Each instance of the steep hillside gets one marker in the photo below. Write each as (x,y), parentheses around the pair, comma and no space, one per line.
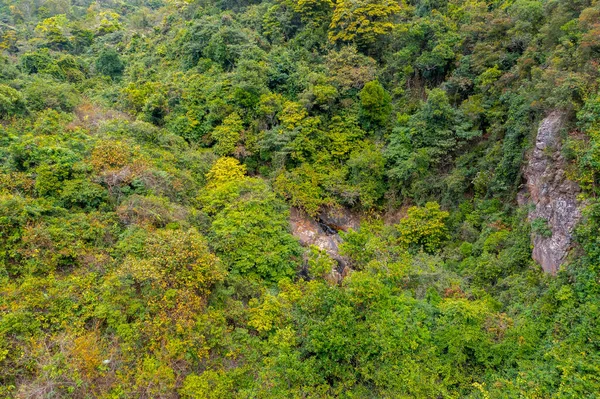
(299,199)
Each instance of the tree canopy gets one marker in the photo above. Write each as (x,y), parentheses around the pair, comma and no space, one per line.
(295,199)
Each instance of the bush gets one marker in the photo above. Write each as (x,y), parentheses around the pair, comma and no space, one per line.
(11,102)
(36,62)
(41,94)
(109,63)
(540,227)
(424,227)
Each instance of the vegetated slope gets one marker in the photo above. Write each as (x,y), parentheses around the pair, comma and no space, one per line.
(150,152)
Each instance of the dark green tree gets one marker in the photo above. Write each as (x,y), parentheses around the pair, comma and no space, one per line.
(109,63)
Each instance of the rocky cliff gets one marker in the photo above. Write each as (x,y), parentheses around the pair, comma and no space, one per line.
(551,196)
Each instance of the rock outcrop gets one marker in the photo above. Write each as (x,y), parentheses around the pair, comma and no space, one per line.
(339,219)
(322,232)
(552,197)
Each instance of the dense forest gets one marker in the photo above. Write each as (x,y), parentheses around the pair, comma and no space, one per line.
(157,157)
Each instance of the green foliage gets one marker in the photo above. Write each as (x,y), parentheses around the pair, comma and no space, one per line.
(437,126)
(209,385)
(251,235)
(319,263)
(250,225)
(109,63)
(585,151)
(228,134)
(375,103)
(41,94)
(366,171)
(36,62)
(54,33)
(302,188)
(175,260)
(362,21)
(11,102)
(423,227)
(540,226)
(150,153)
(426,139)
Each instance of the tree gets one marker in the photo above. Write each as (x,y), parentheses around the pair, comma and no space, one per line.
(108,22)
(349,69)
(313,11)
(302,186)
(362,21)
(438,125)
(8,41)
(228,134)
(375,103)
(54,33)
(424,227)
(250,226)
(176,259)
(82,38)
(366,170)
(109,63)
(11,102)
(424,140)
(41,94)
(37,61)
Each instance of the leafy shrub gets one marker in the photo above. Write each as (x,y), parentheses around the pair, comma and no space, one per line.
(109,63)
(540,227)
(424,227)
(41,94)
(11,102)
(228,134)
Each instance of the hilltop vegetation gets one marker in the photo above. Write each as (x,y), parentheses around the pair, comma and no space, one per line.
(151,150)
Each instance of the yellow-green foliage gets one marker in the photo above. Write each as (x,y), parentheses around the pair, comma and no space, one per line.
(363,21)
(228,134)
(176,259)
(152,154)
(313,11)
(302,188)
(423,227)
(292,114)
(375,102)
(223,183)
(107,22)
(54,31)
(11,101)
(209,385)
(225,170)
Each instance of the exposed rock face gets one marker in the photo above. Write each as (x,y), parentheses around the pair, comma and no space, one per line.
(552,196)
(323,232)
(339,219)
(310,232)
